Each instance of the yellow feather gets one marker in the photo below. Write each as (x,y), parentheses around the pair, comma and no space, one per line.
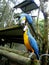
(26,42)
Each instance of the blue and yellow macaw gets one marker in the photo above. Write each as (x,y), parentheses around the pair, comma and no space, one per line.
(29,40)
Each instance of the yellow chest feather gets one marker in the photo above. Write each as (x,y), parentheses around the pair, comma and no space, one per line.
(26,42)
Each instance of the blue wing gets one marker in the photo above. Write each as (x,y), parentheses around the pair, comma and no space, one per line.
(33,44)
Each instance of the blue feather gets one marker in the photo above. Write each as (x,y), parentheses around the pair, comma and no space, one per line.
(33,43)
(28,17)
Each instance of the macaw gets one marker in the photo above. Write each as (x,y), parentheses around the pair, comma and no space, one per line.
(29,40)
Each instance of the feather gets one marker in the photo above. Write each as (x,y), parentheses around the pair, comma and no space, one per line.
(33,44)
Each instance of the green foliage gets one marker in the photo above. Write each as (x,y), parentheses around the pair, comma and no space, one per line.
(41,26)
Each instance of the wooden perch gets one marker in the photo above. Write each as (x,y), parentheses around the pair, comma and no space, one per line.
(15,51)
(15,57)
(18,57)
(25,54)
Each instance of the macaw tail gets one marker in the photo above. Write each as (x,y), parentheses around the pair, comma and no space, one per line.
(37,55)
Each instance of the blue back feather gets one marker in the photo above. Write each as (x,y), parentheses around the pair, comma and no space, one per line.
(33,43)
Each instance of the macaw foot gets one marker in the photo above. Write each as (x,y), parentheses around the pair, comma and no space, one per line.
(31,54)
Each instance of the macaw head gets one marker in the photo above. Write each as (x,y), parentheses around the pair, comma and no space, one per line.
(23,23)
(22,20)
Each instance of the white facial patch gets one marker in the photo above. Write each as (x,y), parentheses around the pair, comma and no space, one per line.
(25,28)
